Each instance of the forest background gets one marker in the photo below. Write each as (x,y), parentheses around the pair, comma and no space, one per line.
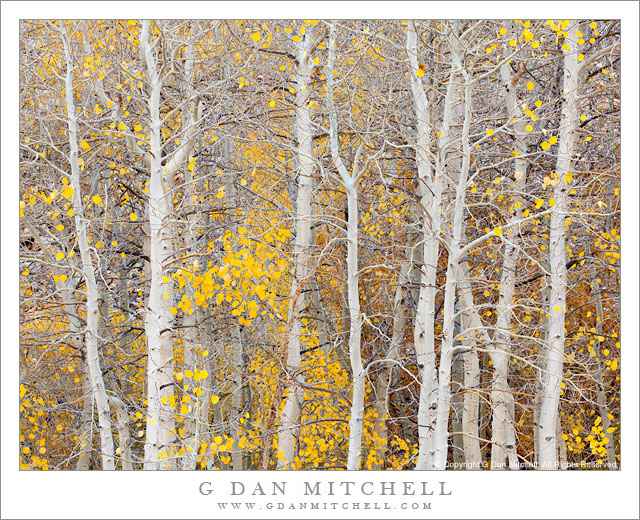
(378,332)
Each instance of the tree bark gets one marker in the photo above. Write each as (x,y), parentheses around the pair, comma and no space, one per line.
(557,256)
(91,334)
(304,135)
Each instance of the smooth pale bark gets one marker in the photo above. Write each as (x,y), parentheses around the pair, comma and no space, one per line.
(88,273)
(124,441)
(441,434)
(85,433)
(473,333)
(356,422)
(349,181)
(502,426)
(158,321)
(304,135)
(471,402)
(558,256)
(429,191)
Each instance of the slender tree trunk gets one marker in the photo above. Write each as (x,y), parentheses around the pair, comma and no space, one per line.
(85,434)
(383,383)
(350,183)
(441,434)
(558,254)
(430,197)
(93,317)
(160,430)
(502,427)
(237,395)
(124,442)
(356,422)
(470,406)
(304,135)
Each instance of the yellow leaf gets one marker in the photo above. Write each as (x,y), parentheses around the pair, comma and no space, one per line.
(137,128)
(59,255)
(133,217)
(97,200)
(122,127)
(272,103)
(530,85)
(490,132)
(255,37)
(215,399)
(497,231)
(85,145)
(420,73)
(67,192)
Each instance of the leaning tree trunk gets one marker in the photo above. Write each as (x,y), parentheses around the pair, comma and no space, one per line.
(88,272)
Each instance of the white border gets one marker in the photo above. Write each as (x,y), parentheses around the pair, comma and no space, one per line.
(581,494)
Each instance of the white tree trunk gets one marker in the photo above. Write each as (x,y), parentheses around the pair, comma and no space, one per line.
(557,257)
(91,334)
(160,430)
(304,135)
(356,421)
(471,401)
(350,183)
(430,198)
(124,442)
(502,426)
(441,434)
